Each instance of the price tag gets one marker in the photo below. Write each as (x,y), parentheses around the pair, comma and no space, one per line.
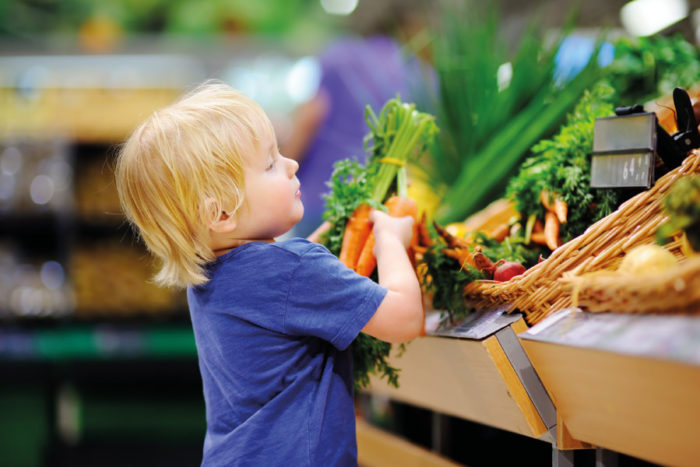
(622,170)
(624,151)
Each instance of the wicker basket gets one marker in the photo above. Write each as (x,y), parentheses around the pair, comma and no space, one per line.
(676,290)
(539,292)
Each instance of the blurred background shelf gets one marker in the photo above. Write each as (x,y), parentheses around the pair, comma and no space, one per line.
(102,342)
(83,394)
(97,364)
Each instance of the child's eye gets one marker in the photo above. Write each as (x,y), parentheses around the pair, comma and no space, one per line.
(271,164)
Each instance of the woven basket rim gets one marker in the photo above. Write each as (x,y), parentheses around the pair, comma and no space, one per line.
(538,290)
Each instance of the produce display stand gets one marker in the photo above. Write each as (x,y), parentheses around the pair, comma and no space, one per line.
(624,382)
(475,370)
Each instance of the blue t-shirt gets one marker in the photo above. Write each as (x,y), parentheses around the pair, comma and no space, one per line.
(272,328)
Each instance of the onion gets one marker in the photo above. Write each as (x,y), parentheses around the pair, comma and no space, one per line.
(647,259)
(506,270)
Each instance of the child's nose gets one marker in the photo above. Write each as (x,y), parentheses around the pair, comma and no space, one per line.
(292,166)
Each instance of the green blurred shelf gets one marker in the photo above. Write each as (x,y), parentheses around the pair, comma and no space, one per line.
(97,342)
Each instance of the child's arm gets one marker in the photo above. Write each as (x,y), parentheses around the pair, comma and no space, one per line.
(399,317)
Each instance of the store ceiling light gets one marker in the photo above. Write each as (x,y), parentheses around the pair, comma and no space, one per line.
(646,17)
(339,7)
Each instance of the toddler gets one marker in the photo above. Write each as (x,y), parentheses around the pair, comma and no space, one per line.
(208,191)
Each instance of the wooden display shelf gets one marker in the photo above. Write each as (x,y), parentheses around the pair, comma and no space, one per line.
(468,378)
(643,402)
(377,448)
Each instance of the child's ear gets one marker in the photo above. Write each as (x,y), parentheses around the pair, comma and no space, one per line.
(223,222)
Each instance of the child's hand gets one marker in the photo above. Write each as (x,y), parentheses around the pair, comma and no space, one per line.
(399,227)
(399,317)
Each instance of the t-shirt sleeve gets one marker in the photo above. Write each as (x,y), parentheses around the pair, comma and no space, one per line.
(328,300)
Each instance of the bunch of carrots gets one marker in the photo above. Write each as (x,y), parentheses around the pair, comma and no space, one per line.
(358,242)
(398,135)
(555,215)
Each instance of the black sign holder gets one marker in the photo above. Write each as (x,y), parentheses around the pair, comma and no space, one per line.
(625,146)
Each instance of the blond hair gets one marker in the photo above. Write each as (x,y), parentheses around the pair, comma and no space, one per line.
(181,168)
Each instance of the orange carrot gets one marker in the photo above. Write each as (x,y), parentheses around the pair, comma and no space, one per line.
(424,239)
(462,255)
(539,238)
(538,227)
(357,230)
(397,206)
(552,202)
(482,262)
(451,240)
(561,209)
(367,261)
(546,200)
(501,232)
(551,230)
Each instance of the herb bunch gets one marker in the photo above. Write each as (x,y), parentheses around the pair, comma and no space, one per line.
(562,165)
(647,67)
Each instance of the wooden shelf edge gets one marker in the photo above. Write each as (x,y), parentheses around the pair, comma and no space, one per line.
(376,447)
(640,406)
(565,441)
(464,378)
(515,386)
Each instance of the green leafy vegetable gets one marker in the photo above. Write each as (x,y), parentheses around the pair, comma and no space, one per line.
(446,278)
(562,165)
(510,249)
(682,204)
(648,67)
(493,105)
(349,188)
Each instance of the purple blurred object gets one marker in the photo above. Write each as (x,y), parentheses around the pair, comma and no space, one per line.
(355,73)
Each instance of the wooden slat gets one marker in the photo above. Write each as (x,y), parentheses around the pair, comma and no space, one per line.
(515,387)
(564,439)
(462,378)
(378,448)
(519,326)
(639,406)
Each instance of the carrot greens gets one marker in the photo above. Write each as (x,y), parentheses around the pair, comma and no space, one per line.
(562,165)
(399,134)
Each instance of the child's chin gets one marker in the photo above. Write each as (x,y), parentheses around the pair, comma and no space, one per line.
(301,215)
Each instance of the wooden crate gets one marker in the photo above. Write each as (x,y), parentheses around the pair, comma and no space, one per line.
(642,405)
(470,379)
